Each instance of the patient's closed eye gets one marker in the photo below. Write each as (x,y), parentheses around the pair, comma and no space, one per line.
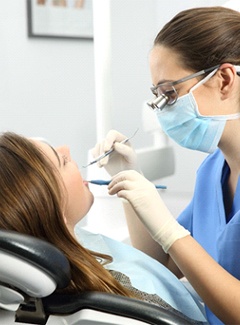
(65,159)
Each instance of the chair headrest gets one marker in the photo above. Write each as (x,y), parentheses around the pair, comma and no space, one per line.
(38,253)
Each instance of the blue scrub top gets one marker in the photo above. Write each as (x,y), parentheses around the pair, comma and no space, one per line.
(206,219)
(145,273)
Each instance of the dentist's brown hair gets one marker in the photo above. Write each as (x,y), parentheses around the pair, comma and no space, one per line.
(203,37)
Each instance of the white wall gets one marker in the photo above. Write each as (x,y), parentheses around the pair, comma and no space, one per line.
(47,87)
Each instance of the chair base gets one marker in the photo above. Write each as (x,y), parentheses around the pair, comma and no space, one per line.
(83,317)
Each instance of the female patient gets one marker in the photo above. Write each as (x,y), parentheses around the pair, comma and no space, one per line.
(43,195)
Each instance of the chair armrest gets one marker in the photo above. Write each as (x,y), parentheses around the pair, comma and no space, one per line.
(114,304)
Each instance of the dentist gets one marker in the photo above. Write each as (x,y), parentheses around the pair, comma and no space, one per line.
(195,68)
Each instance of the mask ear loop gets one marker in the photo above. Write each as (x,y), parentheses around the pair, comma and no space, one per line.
(201,82)
(217,117)
(204,79)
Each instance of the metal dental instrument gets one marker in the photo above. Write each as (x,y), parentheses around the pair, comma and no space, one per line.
(109,151)
(103,182)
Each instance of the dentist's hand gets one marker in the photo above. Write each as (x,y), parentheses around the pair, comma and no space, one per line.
(149,207)
(122,158)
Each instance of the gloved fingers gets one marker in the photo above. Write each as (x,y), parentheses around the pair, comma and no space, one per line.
(107,144)
(131,175)
(112,137)
(98,149)
(125,150)
(129,180)
(96,152)
(103,162)
(119,186)
(122,177)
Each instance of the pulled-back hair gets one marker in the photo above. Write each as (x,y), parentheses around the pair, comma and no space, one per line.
(203,37)
(31,202)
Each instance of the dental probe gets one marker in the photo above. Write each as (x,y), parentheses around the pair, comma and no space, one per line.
(109,151)
(102,182)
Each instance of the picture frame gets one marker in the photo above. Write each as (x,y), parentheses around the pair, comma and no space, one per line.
(67,19)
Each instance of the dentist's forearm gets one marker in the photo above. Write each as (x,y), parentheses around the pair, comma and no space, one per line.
(142,240)
(218,289)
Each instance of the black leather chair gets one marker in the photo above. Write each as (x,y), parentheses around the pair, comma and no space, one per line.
(30,272)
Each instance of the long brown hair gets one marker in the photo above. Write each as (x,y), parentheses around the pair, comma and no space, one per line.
(203,37)
(31,200)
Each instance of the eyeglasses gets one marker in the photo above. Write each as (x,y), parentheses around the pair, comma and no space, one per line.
(167,94)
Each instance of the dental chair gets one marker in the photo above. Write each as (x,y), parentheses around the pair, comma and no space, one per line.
(30,272)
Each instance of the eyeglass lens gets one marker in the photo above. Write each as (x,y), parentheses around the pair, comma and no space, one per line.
(168,90)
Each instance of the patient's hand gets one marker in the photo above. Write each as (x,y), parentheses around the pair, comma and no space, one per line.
(122,158)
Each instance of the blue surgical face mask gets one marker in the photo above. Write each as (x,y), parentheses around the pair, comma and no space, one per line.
(185,125)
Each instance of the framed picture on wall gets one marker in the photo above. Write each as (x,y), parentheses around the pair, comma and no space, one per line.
(60,19)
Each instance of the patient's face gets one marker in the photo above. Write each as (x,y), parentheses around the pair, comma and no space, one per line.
(79,197)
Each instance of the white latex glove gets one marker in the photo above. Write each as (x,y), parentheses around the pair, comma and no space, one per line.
(122,158)
(149,207)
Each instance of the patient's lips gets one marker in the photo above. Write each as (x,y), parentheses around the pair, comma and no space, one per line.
(85,183)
